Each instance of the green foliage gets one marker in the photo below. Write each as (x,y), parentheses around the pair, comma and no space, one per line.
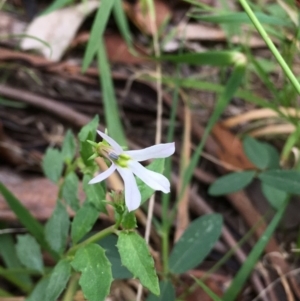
(69,147)
(29,253)
(57,4)
(167,292)
(26,219)
(83,221)
(88,132)
(247,267)
(95,194)
(98,27)
(57,228)
(70,190)
(53,164)
(10,258)
(96,275)
(285,180)
(136,257)
(129,220)
(115,128)
(39,291)
(231,183)
(58,280)
(257,152)
(118,270)
(195,243)
(274,196)
(156,165)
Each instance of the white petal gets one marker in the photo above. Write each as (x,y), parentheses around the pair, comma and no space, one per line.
(117,148)
(153,179)
(132,193)
(103,175)
(155,151)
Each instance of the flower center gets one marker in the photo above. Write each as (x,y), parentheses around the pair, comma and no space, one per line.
(109,153)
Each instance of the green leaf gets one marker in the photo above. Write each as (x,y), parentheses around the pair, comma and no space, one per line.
(69,147)
(136,257)
(70,190)
(167,292)
(39,290)
(26,219)
(95,193)
(29,252)
(285,180)
(90,127)
(53,164)
(195,243)
(156,165)
(97,31)
(231,183)
(257,152)
(10,258)
(57,4)
(58,280)
(111,110)
(95,266)
(118,270)
(274,158)
(129,220)
(83,221)
(274,196)
(57,228)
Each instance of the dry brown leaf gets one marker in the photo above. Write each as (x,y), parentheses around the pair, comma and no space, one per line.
(231,149)
(142,18)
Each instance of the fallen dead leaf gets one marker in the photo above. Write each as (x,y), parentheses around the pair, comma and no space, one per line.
(141,17)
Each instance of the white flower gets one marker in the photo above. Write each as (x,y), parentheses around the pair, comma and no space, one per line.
(127,164)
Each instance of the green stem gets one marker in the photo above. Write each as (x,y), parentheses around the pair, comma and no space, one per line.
(72,288)
(98,236)
(271,45)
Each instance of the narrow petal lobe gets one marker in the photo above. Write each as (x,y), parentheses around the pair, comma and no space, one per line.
(103,175)
(156,151)
(153,179)
(132,193)
(118,149)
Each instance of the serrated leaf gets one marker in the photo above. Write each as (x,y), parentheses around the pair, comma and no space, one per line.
(286,180)
(69,147)
(95,194)
(29,252)
(274,196)
(129,220)
(83,221)
(156,165)
(118,270)
(167,292)
(53,164)
(58,280)
(70,190)
(136,257)
(231,183)
(96,275)
(90,127)
(195,243)
(39,290)
(57,228)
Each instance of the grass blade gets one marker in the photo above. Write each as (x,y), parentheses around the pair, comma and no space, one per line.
(111,110)
(244,272)
(99,25)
